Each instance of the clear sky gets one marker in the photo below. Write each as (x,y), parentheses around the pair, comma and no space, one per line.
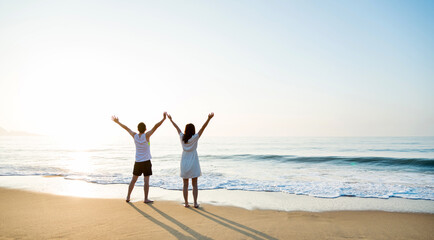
(266,68)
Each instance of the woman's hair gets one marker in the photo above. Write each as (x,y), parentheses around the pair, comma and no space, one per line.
(141,127)
(189,132)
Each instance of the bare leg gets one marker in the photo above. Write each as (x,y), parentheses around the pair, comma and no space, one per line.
(131,187)
(195,191)
(185,192)
(146,189)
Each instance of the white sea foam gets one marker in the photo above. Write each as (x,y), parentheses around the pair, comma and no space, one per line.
(244,199)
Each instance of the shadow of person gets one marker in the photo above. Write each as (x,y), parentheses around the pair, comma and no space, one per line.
(171,230)
(181,225)
(226,222)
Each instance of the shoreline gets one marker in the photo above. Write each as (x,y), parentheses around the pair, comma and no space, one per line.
(249,200)
(47,216)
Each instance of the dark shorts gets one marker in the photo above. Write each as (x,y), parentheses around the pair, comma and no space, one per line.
(144,168)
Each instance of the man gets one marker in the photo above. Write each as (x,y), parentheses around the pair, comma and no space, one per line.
(143,155)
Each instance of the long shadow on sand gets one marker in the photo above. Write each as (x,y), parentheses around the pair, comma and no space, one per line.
(181,225)
(226,222)
(171,230)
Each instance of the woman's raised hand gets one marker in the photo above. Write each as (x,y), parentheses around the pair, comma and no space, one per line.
(210,115)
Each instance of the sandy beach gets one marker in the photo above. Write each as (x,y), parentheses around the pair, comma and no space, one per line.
(30,215)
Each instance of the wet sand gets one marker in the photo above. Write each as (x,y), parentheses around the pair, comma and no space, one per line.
(30,215)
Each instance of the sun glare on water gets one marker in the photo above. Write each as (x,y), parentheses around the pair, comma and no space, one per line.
(80,162)
(78,154)
(77,163)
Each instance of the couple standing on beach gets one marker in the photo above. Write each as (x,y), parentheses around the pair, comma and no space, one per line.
(190,167)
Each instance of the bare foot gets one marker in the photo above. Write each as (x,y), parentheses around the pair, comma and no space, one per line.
(148,201)
(127,200)
(186,205)
(196,205)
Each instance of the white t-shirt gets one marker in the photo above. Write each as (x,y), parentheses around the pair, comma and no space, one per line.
(143,148)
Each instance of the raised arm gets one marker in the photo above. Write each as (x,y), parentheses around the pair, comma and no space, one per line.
(174,124)
(149,133)
(205,124)
(116,120)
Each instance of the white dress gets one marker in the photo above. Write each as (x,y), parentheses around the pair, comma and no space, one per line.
(190,167)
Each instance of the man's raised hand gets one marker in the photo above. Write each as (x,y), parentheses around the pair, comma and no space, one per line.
(115,119)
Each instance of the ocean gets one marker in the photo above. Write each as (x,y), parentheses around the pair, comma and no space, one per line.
(322,167)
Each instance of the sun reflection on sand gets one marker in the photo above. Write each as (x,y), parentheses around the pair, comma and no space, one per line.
(77,188)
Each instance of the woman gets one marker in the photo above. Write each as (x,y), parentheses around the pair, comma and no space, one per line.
(143,163)
(190,167)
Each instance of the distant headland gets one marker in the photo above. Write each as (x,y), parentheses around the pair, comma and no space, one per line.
(4,132)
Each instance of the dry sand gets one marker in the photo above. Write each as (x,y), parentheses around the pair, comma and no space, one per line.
(29,215)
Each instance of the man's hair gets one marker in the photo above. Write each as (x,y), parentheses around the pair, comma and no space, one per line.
(141,127)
